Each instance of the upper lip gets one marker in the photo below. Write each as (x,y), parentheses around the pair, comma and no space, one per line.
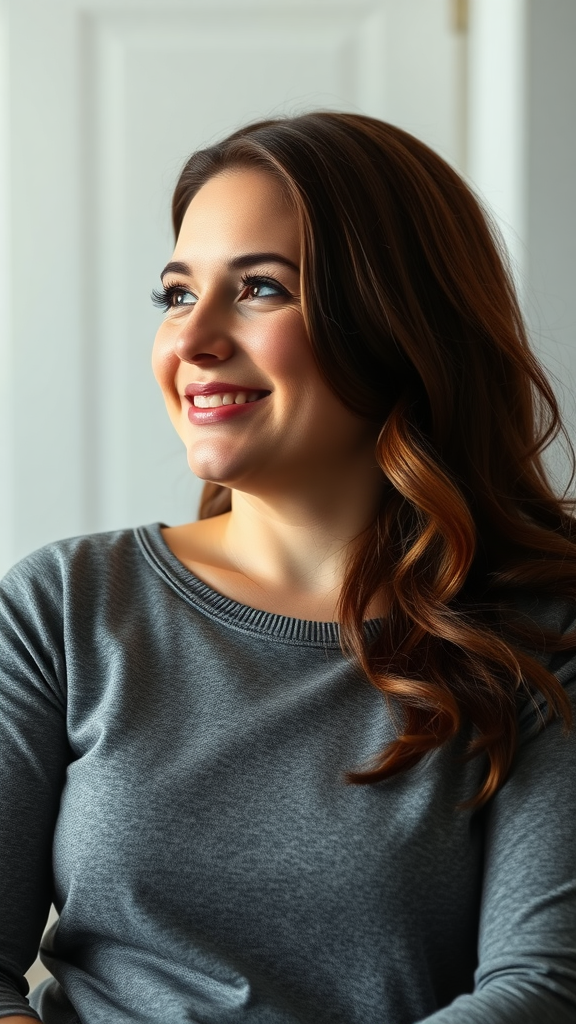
(217,387)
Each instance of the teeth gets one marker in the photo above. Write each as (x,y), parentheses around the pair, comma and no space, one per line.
(231,398)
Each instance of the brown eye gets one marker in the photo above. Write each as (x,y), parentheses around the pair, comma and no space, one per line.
(261,288)
(173,296)
(181,297)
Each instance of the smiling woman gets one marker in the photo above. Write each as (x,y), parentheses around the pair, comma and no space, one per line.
(233,353)
(308,758)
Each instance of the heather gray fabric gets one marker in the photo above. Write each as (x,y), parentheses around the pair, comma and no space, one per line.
(171,776)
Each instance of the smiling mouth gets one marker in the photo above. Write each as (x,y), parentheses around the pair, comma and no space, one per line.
(226,398)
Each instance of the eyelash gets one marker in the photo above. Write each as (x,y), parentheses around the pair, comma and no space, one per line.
(164,298)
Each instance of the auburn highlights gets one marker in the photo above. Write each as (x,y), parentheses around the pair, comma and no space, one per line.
(415,325)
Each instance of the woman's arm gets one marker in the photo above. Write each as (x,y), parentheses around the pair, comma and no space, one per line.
(527,942)
(35,753)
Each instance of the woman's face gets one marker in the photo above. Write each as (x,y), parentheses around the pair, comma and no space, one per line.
(232,354)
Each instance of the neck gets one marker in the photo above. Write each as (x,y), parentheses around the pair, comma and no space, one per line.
(299,543)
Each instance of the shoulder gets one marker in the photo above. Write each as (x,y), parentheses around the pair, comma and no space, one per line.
(67,593)
(547,617)
(546,612)
(550,616)
(73,563)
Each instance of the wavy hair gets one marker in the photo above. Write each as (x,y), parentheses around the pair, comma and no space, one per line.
(415,325)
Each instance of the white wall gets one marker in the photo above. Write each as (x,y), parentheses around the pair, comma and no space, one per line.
(551,191)
(522,159)
(497,112)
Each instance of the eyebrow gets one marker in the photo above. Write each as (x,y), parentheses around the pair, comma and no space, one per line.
(248,259)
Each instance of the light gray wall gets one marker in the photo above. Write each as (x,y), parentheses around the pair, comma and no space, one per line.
(551,190)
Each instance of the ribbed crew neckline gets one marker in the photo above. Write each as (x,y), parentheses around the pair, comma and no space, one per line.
(282,628)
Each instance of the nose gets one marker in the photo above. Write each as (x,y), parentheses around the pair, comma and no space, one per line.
(204,335)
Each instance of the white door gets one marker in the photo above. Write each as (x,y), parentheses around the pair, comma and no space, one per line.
(101,101)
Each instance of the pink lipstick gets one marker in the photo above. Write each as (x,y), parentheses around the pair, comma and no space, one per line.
(217,401)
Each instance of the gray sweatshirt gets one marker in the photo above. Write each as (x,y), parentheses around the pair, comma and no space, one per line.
(171,777)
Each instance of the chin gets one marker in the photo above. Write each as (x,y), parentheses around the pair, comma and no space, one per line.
(210,472)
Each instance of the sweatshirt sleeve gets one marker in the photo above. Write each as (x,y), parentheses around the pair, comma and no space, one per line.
(527,939)
(33,759)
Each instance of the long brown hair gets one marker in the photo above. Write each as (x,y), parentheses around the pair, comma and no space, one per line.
(414,323)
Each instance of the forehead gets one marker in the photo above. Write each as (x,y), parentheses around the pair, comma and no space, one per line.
(239,210)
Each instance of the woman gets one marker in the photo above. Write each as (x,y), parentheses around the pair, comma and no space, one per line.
(308,759)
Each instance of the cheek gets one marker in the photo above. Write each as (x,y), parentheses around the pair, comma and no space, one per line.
(284,350)
(164,361)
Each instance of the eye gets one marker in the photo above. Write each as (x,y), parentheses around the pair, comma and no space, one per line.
(173,296)
(259,287)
